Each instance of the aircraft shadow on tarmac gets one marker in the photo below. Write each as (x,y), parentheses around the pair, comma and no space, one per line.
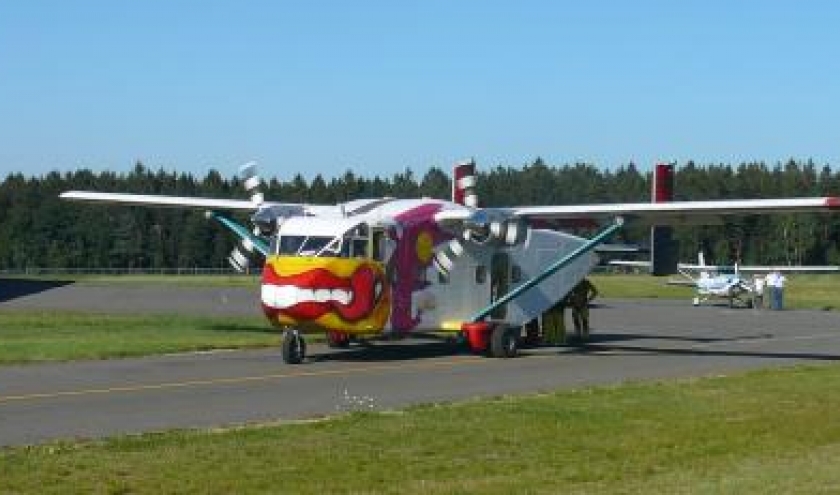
(11,288)
(620,337)
(413,349)
(601,345)
(403,350)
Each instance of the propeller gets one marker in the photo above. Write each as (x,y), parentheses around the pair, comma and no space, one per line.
(482,227)
(252,182)
(243,255)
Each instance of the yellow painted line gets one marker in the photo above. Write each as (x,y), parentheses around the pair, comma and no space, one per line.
(244,379)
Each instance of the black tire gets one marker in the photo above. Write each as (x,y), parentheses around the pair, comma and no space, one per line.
(293,347)
(504,341)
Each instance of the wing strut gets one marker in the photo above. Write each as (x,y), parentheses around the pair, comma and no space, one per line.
(551,270)
(241,232)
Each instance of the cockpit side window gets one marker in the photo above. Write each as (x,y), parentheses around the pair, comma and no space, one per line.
(313,246)
(301,245)
(290,244)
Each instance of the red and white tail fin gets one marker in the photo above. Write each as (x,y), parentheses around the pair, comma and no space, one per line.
(663,247)
(463,184)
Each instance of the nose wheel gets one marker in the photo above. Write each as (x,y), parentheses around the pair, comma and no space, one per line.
(293,347)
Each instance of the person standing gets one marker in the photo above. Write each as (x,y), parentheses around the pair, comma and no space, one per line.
(771,289)
(758,292)
(579,298)
(554,323)
(780,290)
(775,284)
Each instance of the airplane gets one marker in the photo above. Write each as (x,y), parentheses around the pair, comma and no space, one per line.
(390,268)
(724,282)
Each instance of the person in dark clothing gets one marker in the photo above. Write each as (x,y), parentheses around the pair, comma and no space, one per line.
(579,298)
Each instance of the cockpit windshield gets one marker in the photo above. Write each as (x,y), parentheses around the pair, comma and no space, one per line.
(356,242)
(301,245)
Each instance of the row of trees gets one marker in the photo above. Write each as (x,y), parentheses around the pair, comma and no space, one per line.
(39,230)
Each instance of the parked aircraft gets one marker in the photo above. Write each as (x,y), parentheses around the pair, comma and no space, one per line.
(725,282)
(392,267)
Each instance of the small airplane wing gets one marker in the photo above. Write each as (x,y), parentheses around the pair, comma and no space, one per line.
(760,269)
(630,263)
(789,269)
(679,212)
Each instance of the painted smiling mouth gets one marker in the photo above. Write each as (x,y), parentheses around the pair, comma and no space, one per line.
(310,295)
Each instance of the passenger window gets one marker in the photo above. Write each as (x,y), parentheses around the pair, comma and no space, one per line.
(360,248)
(378,244)
(480,274)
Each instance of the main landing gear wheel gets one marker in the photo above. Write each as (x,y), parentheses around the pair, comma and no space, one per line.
(504,341)
(293,347)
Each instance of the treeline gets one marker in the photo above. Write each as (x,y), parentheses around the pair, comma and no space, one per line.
(39,230)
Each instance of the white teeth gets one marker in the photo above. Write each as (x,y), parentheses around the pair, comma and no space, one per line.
(285,296)
(322,295)
(305,295)
(341,296)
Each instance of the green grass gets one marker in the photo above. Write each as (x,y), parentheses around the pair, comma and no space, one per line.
(763,432)
(802,291)
(55,336)
(643,286)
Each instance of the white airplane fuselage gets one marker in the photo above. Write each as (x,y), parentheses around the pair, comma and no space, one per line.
(725,286)
(367,268)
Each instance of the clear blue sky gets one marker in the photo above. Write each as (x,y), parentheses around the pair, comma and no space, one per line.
(377,86)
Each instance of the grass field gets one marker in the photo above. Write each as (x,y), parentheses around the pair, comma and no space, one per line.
(58,336)
(763,432)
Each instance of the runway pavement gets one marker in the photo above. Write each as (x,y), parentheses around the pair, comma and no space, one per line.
(633,340)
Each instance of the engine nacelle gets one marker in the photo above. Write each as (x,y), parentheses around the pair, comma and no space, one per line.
(483,228)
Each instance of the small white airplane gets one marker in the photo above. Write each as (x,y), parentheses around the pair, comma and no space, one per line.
(726,282)
(391,267)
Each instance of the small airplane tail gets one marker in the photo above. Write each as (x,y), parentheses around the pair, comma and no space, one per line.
(664,249)
(463,184)
(701,262)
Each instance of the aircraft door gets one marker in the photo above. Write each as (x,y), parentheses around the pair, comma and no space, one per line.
(499,282)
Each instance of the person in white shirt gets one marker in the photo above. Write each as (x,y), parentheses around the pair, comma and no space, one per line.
(776,284)
(758,292)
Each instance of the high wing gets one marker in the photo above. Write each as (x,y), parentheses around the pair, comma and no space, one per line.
(157,200)
(263,212)
(271,208)
(678,212)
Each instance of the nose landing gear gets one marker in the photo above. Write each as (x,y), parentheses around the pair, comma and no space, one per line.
(293,347)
